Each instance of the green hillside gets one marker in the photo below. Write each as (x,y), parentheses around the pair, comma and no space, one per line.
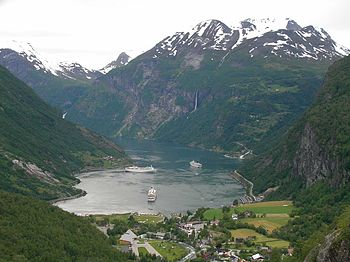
(310,164)
(245,100)
(39,151)
(32,230)
(317,147)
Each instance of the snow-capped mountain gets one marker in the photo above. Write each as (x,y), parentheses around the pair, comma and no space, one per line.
(76,71)
(122,60)
(268,36)
(21,57)
(11,51)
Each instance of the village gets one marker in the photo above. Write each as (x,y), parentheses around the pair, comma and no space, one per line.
(241,232)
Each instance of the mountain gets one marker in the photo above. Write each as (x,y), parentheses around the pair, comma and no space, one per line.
(39,151)
(310,164)
(122,60)
(317,147)
(21,58)
(265,36)
(215,86)
(33,230)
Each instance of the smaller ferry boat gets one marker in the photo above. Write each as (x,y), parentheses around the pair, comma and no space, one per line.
(195,164)
(138,169)
(229,156)
(152,194)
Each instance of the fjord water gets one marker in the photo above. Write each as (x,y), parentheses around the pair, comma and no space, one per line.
(179,187)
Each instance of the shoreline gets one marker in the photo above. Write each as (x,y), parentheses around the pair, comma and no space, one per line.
(81,194)
(247,185)
(76,176)
(244,182)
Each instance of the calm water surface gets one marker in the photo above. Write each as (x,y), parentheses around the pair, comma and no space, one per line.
(179,187)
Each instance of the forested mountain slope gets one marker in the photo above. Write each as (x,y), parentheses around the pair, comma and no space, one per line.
(39,151)
(317,147)
(32,230)
(310,165)
(216,86)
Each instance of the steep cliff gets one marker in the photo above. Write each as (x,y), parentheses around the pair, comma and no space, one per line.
(317,147)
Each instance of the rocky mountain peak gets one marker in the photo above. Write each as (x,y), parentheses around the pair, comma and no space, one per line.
(292,25)
(122,60)
(76,71)
(211,28)
(21,57)
(276,37)
(15,51)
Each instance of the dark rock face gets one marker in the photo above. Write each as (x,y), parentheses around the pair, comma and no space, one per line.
(292,25)
(20,66)
(314,164)
(333,249)
(122,60)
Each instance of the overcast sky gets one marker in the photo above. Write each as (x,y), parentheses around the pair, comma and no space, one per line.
(94,32)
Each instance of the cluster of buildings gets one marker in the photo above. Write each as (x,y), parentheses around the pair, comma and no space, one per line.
(192,227)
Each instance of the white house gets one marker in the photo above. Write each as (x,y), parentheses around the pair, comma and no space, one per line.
(128,238)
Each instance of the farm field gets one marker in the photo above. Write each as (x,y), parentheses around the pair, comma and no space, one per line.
(259,238)
(271,208)
(269,223)
(169,250)
(142,251)
(142,218)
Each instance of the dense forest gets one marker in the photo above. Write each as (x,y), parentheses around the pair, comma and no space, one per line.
(33,230)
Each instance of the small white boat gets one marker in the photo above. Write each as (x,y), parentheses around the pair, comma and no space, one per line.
(138,169)
(229,156)
(152,194)
(195,164)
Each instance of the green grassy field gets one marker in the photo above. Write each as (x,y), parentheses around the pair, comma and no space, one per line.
(169,250)
(259,238)
(148,218)
(281,208)
(142,251)
(112,217)
(269,223)
(142,218)
(271,207)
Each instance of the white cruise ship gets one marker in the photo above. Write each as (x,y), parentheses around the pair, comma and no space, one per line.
(138,169)
(195,164)
(152,194)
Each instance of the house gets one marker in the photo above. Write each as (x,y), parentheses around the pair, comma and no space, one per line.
(257,257)
(240,240)
(160,235)
(265,248)
(215,222)
(197,225)
(193,226)
(128,238)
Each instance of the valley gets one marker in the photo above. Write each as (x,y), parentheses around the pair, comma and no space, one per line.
(260,106)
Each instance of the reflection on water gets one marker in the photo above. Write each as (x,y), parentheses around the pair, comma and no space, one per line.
(179,187)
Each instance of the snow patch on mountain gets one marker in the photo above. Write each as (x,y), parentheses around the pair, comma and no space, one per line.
(215,35)
(62,69)
(122,60)
(27,51)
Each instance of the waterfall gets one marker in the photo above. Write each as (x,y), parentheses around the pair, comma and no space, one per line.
(196,101)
